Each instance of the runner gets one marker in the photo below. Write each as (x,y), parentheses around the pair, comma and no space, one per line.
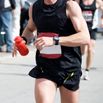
(60,25)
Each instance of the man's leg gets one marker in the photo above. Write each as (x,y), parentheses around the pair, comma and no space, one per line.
(45,91)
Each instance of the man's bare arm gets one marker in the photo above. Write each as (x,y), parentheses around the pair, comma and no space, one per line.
(82,36)
(30,27)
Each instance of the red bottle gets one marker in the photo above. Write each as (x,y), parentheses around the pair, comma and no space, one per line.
(21,46)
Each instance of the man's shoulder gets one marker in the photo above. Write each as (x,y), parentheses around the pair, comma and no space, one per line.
(73,5)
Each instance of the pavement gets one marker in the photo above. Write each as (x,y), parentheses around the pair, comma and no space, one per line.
(17,87)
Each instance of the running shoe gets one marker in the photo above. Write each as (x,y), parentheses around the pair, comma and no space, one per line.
(86,76)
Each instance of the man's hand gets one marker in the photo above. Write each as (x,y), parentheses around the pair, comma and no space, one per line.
(42,42)
(14,52)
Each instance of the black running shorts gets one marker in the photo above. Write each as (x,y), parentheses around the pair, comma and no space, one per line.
(69,79)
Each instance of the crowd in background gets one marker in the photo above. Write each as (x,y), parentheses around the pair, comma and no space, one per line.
(13,19)
(99,16)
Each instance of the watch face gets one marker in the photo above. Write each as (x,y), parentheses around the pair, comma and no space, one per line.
(56,38)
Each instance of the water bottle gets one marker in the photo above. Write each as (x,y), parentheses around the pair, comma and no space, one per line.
(21,46)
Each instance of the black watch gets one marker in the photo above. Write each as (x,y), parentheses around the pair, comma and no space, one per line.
(56,40)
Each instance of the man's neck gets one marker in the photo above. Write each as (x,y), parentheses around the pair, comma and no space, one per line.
(49,2)
(88,2)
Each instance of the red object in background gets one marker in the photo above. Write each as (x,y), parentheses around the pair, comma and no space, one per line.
(21,46)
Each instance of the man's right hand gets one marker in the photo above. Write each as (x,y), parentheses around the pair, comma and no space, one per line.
(14,52)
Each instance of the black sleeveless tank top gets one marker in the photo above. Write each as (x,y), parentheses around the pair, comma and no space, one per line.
(52,18)
(88,12)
